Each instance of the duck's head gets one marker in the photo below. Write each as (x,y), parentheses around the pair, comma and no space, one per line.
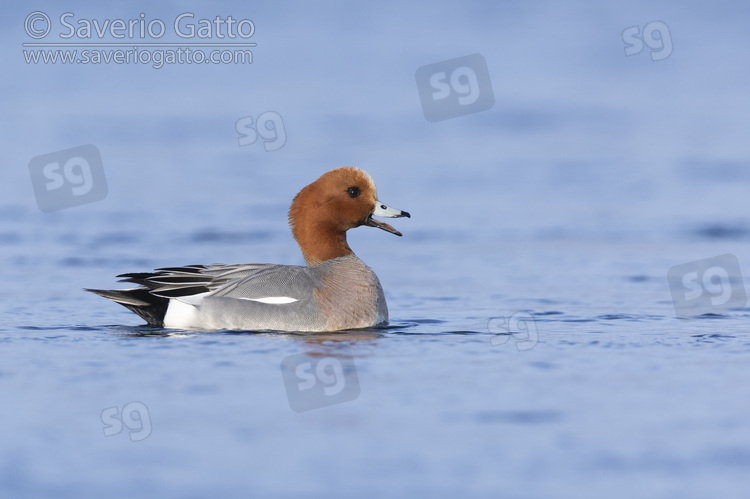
(339,200)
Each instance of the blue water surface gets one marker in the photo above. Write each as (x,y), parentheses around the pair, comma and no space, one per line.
(534,348)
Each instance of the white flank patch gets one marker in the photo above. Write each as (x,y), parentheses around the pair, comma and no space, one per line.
(273,300)
(180,315)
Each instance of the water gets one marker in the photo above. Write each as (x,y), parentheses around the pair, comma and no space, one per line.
(565,205)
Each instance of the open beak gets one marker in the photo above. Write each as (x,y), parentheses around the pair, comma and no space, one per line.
(383,210)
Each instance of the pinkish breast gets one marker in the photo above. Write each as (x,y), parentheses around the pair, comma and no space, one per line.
(351,296)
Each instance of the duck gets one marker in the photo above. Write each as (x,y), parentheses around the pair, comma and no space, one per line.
(334,291)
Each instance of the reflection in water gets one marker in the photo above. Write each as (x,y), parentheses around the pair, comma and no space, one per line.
(325,344)
(314,339)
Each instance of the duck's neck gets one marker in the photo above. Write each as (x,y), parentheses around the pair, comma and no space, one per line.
(320,243)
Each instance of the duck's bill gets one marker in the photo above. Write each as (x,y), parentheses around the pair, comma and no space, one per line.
(383,210)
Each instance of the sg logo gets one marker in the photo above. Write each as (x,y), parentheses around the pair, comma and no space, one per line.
(68,178)
(134,417)
(312,382)
(707,286)
(455,87)
(269,126)
(656,36)
(521,326)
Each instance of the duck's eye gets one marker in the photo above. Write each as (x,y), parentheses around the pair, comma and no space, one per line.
(353,192)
